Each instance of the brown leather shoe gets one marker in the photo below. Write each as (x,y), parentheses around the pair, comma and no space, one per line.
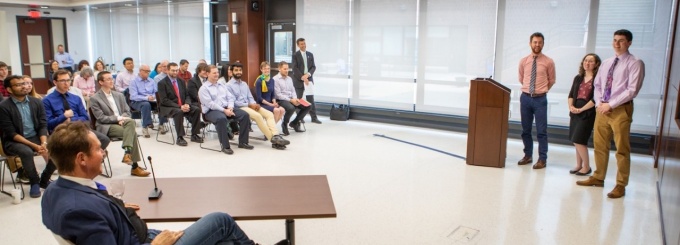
(525,160)
(591,181)
(139,172)
(127,159)
(539,164)
(617,192)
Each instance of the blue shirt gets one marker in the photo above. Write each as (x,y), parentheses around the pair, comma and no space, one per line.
(54,109)
(26,118)
(65,57)
(215,97)
(241,92)
(141,89)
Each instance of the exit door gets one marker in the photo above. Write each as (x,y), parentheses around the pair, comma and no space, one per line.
(281,44)
(36,38)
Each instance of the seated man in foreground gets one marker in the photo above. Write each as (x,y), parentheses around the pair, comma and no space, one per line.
(81,211)
(113,119)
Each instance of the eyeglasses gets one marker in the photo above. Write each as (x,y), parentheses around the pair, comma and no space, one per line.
(174,70)
(63,80)
(144,70)
(20,84)
(108,79)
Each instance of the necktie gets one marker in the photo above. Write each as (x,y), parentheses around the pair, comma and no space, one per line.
(532,84)
(179,99)
(304,58)
(63,100)
(608,86)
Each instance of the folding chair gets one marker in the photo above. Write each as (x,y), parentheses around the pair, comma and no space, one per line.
(166,124)
(206,129)
(106,162)
(9,164)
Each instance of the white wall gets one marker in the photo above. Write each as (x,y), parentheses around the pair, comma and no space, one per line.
(76,32)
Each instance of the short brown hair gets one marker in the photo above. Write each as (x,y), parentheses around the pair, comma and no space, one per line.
(282,63)
(59,73)
(264,63)
(67,140)
(202,67)
(100,75)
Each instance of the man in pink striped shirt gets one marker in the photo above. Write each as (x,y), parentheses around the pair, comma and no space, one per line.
(617,82)
(537,76)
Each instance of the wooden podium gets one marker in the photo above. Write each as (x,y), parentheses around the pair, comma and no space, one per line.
(488,123)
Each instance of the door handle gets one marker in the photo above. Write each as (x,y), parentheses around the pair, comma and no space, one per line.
(31,64)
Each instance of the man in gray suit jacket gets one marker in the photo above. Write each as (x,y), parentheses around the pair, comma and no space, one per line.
(113,119)
(303,67)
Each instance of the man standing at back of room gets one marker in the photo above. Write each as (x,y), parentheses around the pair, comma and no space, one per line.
(303,67)
(64,59)
(616,85)
(537,76)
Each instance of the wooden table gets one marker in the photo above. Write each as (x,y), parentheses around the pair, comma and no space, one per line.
(244,198)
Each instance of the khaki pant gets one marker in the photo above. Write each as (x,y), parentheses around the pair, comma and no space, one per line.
(616,124)
(264,119)
(129,135)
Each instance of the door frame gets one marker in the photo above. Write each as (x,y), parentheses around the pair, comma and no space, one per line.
(269,49)
(50,40)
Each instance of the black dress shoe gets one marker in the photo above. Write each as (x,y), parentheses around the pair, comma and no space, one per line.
(296,127)
(230,135)
(315,120)
(284,131)
(574,171)
(277,139)
(228,151)
(181,141)
(245,146)
(196,138)
(584,174)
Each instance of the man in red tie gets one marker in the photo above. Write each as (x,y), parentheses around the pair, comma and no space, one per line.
(174,103)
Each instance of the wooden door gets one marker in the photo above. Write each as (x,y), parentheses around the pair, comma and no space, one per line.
(36,52)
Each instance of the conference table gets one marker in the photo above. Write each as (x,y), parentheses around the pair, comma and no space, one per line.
(244,198)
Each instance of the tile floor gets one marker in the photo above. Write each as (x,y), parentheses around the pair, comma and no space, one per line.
(388,192)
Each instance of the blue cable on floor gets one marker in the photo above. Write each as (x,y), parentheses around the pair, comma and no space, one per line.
(419,145)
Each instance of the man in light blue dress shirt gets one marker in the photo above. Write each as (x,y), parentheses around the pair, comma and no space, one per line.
(64,59)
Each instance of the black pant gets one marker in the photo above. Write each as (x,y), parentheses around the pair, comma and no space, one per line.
(193,116)
(290,109)
(312,111)
(26,154)
(220,120)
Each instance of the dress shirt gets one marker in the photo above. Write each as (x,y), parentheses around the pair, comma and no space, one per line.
(54,109)
(284,88)
(123,80)
(82,181)
(26,117)
(72,90)
(84,85)
(112,103)
(59,57)
(627,79)
(215,97)
(545,73)
(140,89)
(241,92)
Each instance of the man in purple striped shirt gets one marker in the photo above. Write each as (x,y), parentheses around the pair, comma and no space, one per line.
(618,81)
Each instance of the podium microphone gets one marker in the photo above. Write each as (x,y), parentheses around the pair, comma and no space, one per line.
(155,193)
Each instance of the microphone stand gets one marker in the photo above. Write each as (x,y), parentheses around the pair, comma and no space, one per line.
(155,193)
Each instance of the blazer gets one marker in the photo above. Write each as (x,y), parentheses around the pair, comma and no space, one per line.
(102,111)
(168,98)
(193,87)
(10,118)
(82,215)
(299,68)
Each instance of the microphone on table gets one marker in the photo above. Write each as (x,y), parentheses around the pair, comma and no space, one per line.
(155,193)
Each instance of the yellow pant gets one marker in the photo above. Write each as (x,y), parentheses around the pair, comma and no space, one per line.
(264,120)
(616,124)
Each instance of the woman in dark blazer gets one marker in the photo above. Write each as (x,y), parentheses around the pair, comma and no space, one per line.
(582,111)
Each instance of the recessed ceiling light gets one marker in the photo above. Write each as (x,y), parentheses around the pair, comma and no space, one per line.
(93,7)
(168,1)
(44,7)
(128,5)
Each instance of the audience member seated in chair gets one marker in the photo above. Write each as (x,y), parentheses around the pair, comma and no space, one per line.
(264,93)
(175,103)
(285,94)
(217,104)
(142,95)
(113,119)
(24,132)
(62,106)
(81,211)
(195,83)
(245,101)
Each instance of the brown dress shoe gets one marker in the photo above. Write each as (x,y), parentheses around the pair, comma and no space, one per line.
(525,160)
(127,159)
(539,164)
(617,192)
(139,172)
(591,181)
